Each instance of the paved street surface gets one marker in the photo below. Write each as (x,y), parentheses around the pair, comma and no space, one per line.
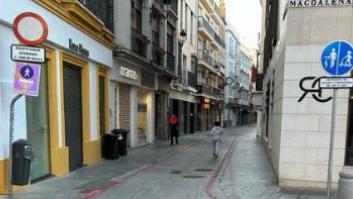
(186,171)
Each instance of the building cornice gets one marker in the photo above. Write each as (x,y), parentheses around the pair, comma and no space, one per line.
(81,18)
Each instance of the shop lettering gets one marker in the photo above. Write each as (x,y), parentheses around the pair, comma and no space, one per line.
(128,73)
(78,48)
(317,3)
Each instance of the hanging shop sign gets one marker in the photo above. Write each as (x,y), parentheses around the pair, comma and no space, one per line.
(27,77)
(22,53)
(128,73)
(30,29)
(78,48)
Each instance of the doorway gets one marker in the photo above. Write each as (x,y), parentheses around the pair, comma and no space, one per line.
(73,114)
(38,128)
(142,118)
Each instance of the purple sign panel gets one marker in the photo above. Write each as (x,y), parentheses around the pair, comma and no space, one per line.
(27,79)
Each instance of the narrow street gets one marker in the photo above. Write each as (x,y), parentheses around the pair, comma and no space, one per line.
(186,171)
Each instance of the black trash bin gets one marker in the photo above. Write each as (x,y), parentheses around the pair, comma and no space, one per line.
(22,156)
(110,146)
(122,139)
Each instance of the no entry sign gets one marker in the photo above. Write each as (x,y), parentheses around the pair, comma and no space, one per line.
(30,28)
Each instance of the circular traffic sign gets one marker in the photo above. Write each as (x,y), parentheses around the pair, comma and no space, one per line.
(30,28)
(337,58)
(27,72)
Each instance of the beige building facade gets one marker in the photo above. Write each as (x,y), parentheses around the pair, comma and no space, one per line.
(297,133)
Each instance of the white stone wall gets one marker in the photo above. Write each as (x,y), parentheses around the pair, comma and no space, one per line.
(300,131)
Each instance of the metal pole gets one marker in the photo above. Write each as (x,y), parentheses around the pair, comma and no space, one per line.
(12,118)
(332,146)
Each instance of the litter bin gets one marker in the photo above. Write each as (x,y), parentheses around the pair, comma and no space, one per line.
(345,187)
(110,146)
(122,139)
(22,156)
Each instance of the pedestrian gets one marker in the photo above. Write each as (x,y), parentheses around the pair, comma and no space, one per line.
(216,135)
(174,123)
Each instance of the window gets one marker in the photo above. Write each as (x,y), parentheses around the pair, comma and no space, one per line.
(136,18)
(186,20)
(181,15)
(170,39)
(156,30)
(193,64)
(192,28)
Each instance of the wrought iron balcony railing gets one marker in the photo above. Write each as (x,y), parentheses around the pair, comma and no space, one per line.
(219,40)
(174,6)
(216,8)
(205,57)
(103,9)
(202,22)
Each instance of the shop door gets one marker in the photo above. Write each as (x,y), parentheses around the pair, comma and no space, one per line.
(73,114)
(185,115)
(38,128)
(192,118)
(159,124)
(102,119)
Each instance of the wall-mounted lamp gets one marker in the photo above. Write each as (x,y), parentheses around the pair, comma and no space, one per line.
(182,37)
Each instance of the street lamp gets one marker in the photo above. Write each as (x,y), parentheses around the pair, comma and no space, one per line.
(182,37)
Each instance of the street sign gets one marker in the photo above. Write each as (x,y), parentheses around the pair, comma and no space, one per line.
(337,58)
(30,28)
(336,82)
(27,77)
(22,53)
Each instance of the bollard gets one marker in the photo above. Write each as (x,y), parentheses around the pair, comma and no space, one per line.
(345,187)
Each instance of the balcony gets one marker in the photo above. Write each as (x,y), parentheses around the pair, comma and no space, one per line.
(174,6)
(102,9)
(216,8)
(204,89)
(206,59)
(192,80)
(139,43)
(208,30)
(171,62)
(219,40)
(216,92)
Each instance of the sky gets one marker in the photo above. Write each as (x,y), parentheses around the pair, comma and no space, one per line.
(245,17)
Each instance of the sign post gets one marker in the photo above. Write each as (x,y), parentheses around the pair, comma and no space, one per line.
(337,60)
(31,30)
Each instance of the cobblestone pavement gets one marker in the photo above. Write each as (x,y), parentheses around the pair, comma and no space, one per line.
(186,171)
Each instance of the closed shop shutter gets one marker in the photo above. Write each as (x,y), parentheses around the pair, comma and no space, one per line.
(73,114)
(124,101)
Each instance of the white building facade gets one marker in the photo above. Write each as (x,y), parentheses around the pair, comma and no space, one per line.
(232,73)
(297,133)
(64,123)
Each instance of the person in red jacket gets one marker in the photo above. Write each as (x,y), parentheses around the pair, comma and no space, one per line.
(174,123)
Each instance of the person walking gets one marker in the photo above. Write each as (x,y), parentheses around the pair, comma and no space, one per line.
(174,123)
(216,135)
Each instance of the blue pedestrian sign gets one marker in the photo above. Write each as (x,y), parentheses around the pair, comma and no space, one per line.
(337,58)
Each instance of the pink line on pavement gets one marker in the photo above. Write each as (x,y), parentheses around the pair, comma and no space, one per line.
(92,194)
(216,173)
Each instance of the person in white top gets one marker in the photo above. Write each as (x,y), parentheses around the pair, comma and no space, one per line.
(216,136)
